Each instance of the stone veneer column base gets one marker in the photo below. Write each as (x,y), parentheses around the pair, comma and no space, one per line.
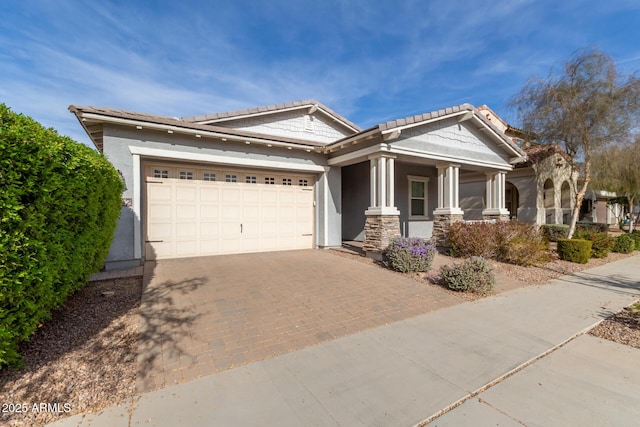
(379,231)
(441,224)
(502,217)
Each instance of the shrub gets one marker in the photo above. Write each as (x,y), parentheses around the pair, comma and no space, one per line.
(601,243)
(59,203)
(624,244)
(409,254)
(574,250)
(512,242)
(473,239)
(473,274)
(553,232)
(635,235)
(525,252)
(595,227)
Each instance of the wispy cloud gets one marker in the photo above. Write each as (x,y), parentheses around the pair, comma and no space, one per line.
(369,62)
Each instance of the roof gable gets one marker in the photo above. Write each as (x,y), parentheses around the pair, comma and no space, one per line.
(273,113)
(466,114)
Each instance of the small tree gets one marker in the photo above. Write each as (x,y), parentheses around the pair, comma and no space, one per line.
(617,169)
(585,107)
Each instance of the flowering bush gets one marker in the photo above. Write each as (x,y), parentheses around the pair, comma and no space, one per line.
(473,274)
(512,242)
(409,254)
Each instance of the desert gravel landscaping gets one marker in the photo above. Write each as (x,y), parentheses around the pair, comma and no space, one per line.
(85,356)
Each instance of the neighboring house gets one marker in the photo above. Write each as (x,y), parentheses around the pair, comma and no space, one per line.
(597,207)
(292,176)
(540,190)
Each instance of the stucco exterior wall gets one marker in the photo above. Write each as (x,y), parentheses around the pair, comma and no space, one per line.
(292,124)
(355,200)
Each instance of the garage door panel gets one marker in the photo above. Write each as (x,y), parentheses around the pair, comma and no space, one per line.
(187,217)
(231,212)
(269,195)
(185,193)
(186,212)
(160,211)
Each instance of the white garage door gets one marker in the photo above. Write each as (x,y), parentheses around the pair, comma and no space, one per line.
(198,211)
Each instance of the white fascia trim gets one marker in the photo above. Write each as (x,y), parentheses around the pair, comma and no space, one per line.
(447,159)
(284,110)
(365,152)
(196,132)
(212,158)
(500,139)
(424,122)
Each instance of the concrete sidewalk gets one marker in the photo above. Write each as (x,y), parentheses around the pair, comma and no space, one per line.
(408,372)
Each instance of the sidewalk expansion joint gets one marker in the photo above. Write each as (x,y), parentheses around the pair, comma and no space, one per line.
(506,375)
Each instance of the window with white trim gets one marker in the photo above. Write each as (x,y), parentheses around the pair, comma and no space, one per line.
(209,176)
(303,182)
(250,179)
(269,180)
(418,197)
(286,181)
(160,173)
(230,178)
(185,175)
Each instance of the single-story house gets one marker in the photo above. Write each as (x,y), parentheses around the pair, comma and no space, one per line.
(292,176)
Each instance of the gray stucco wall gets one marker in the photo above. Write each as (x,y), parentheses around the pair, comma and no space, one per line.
(355,200)
(415,228)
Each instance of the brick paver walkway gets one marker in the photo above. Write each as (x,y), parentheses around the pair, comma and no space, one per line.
(205,315)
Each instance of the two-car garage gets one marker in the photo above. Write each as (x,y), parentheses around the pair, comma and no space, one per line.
(199,210)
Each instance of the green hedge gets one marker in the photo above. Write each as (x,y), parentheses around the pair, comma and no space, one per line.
(574,250)
(59,204)
(624,244)
(636,237)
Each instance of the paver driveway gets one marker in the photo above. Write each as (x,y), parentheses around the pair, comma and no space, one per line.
(204,315)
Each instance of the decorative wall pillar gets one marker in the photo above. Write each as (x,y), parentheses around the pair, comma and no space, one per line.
(448,210)
(382,217)
(495,197)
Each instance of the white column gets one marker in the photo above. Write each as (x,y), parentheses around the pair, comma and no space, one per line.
(391,181)
(501,190)
(448,190)
(441,173)
(455,186)
(382,182)
(489,204)
(495,194)
(382,173)
(373,181)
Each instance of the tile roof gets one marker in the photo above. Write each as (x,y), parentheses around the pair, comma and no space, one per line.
(539,152)
(180,123)
(272,108)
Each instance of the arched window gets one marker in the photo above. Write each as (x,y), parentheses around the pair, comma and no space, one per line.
(549,194)
(565,192)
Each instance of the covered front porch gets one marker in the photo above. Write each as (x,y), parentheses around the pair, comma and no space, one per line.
(402,178)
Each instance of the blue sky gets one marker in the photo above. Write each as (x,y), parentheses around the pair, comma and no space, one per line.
(370,61)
